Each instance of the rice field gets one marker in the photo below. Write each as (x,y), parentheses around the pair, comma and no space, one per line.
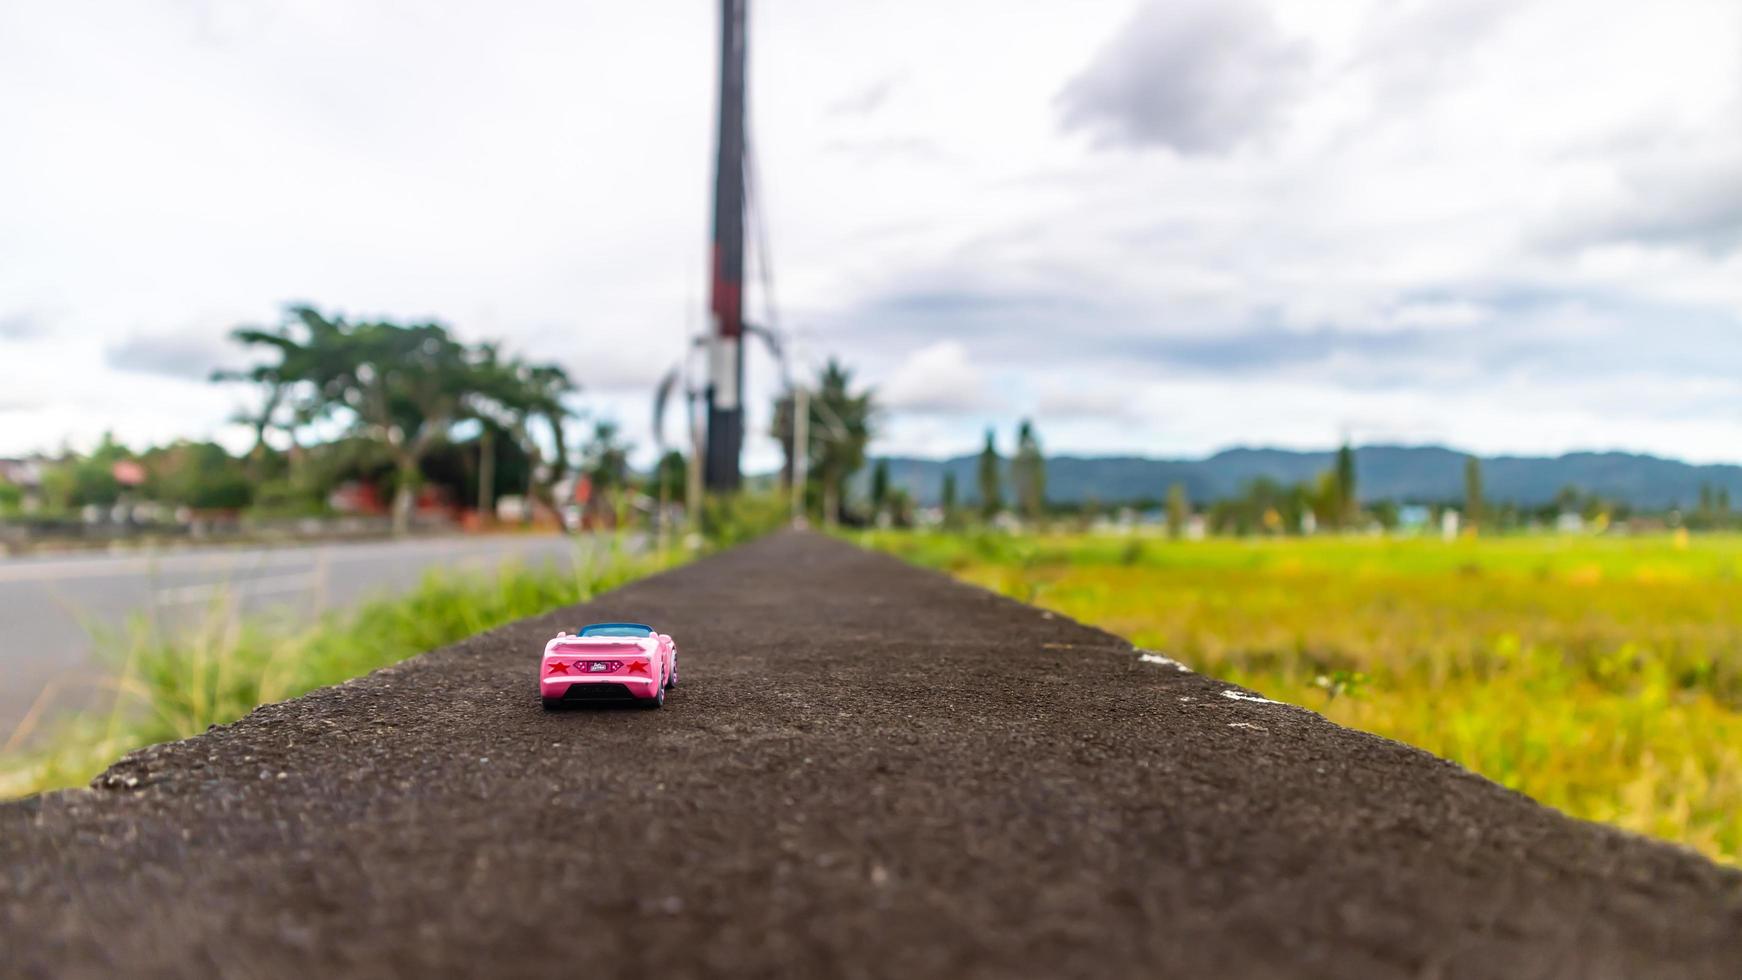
(1601,676)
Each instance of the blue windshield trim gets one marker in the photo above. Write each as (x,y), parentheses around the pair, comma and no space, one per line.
(616,629)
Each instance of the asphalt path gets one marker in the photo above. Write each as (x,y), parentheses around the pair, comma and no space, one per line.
(55,609)
(868,771)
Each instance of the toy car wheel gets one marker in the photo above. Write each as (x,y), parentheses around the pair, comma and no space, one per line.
(671,682)
(552,704)
(657,701)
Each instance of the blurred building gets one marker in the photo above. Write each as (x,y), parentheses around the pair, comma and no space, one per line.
(1413,518)
(25,473)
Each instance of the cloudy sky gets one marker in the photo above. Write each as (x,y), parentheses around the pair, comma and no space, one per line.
(1156,226)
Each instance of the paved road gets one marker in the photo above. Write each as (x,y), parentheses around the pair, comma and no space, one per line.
(869,771)
(50,607)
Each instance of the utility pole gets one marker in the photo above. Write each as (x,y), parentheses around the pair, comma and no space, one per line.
(693,472)
(801,436)
(487,476)
(726,301)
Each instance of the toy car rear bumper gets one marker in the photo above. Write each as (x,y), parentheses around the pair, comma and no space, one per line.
(605,688)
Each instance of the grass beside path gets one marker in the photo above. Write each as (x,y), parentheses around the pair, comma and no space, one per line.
(174,686)
(1600,676)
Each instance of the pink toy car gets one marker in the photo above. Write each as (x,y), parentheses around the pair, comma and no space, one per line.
(608,662)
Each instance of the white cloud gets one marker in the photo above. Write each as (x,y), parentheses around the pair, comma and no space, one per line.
(1096,397)
(191,354)
(941,378)
(864,101)
(1200,76)
(21,325)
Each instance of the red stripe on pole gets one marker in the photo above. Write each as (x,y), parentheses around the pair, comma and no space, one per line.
(728,301)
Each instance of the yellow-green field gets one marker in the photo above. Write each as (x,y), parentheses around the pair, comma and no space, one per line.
(1599,676)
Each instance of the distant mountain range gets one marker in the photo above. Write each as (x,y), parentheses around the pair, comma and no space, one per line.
(1422,474)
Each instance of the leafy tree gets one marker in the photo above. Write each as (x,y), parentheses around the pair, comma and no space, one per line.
(400,385)
(991,489)
(948,500)
(1387,514)
(93,483)
(287,398)
(1090,513)
(781,428)
(1474,509)
(900,507)
(1028,472)
(1567,500)
(669,475)
(1348,499)
(1325,499)
(879,487)
(350,457)
(605,461)
(404,387)
(1266,506)
(1179,510)
(200,475)
(841,421)
(80,481)
(530,402)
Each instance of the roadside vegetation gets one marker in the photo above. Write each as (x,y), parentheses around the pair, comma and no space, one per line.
(1601,676)
(164,685)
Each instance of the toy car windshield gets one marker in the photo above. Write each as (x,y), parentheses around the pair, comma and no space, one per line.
(616,629)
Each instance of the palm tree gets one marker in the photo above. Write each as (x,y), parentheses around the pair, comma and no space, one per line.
(840,427)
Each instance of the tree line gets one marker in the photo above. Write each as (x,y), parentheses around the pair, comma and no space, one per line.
(402,407)
(391,405)
(408,407)
(1013,490)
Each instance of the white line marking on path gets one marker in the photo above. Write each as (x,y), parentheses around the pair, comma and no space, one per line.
(1255,699)
(1150,657)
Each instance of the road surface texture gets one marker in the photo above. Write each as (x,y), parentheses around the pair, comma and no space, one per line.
(52,605)
(867,771)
